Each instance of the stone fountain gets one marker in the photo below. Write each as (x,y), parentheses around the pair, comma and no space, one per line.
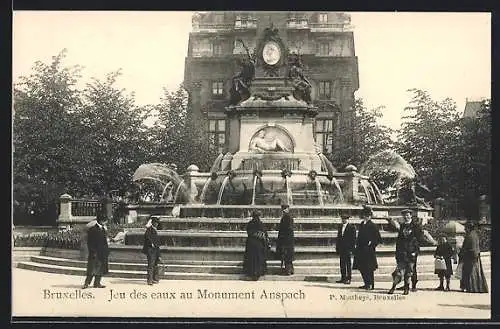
(277,162)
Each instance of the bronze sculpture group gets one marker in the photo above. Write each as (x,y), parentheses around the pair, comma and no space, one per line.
(241,82)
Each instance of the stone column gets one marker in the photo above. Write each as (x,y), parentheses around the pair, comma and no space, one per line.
(438,208)
(65,208)
(351,194)
(107,207)
(193,192)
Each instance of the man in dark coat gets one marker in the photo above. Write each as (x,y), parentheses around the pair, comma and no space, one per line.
(97,243)
(346,240)
(365,258)
(410,236)
(151,248)
(285,244)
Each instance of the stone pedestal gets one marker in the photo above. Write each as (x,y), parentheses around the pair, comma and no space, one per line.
(65,208)
(352,186)
(107,204)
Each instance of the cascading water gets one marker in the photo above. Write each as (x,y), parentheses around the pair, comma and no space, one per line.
(320,192)
(221,191)
(204,190)
(254,191)
(178,189)
(337,186)
(377,192)
(288,191)
(169,186)
(368,195)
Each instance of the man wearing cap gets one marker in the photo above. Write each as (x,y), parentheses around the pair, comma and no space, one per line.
(365,258)
(346,240)
(410,234)
(97,243)
(151,248)
(285,243)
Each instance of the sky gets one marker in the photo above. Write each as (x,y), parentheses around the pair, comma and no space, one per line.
(447,54)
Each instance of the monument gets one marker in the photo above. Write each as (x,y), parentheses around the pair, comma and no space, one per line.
(272,157)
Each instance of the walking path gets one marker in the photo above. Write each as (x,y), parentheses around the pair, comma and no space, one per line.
(46,294)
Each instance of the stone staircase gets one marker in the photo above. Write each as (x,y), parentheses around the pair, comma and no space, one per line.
(305,270)
(208,243)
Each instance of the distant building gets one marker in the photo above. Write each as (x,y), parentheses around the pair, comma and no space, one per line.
(323,39)
(473,107)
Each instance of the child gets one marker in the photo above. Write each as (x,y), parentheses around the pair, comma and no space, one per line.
(444,251)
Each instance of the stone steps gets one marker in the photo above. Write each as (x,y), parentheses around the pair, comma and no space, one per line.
(239,224)
(386,266)
(208,238)
(300,211)
(133,254)
(303,273)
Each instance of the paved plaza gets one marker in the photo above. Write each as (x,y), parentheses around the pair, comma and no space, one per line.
(46,294)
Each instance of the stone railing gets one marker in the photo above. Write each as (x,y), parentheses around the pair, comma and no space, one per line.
(453,209)
(330,27)
(297,24)
(250,23)
(207,27)
(81,211)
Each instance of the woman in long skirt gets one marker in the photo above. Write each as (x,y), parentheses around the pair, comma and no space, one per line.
(254,262)
(473,278)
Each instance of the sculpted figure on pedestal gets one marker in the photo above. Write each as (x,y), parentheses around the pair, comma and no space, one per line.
(299,81)
(240,89)
(261,144)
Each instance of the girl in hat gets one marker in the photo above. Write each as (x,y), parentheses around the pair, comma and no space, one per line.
(444,252)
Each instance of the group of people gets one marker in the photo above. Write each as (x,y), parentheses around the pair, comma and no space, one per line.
(258,248)
(410,237)
(470,268)
(362,244)
(98,251)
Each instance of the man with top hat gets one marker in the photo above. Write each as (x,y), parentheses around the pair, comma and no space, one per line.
(151,248)
(285,244)
(97,243)
(365,258)
(346,240)
(410,234)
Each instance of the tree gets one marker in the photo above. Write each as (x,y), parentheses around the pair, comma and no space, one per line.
(370,137)
(177,139)
(472,169)
(44,103)
(113,139)
(429,138)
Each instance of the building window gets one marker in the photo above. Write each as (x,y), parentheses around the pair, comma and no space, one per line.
(325,90)
(324,49)
(216,49)
(323,18)
(217,134)
(324,135)
(217,88)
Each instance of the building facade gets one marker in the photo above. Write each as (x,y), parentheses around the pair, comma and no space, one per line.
(325,42)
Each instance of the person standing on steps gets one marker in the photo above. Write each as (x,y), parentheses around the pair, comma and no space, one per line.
(285,243)
(255,258)
(97,243)
(444,251)
(151,248)
(346,241)
(472,279)
(410,234)
(365,258)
